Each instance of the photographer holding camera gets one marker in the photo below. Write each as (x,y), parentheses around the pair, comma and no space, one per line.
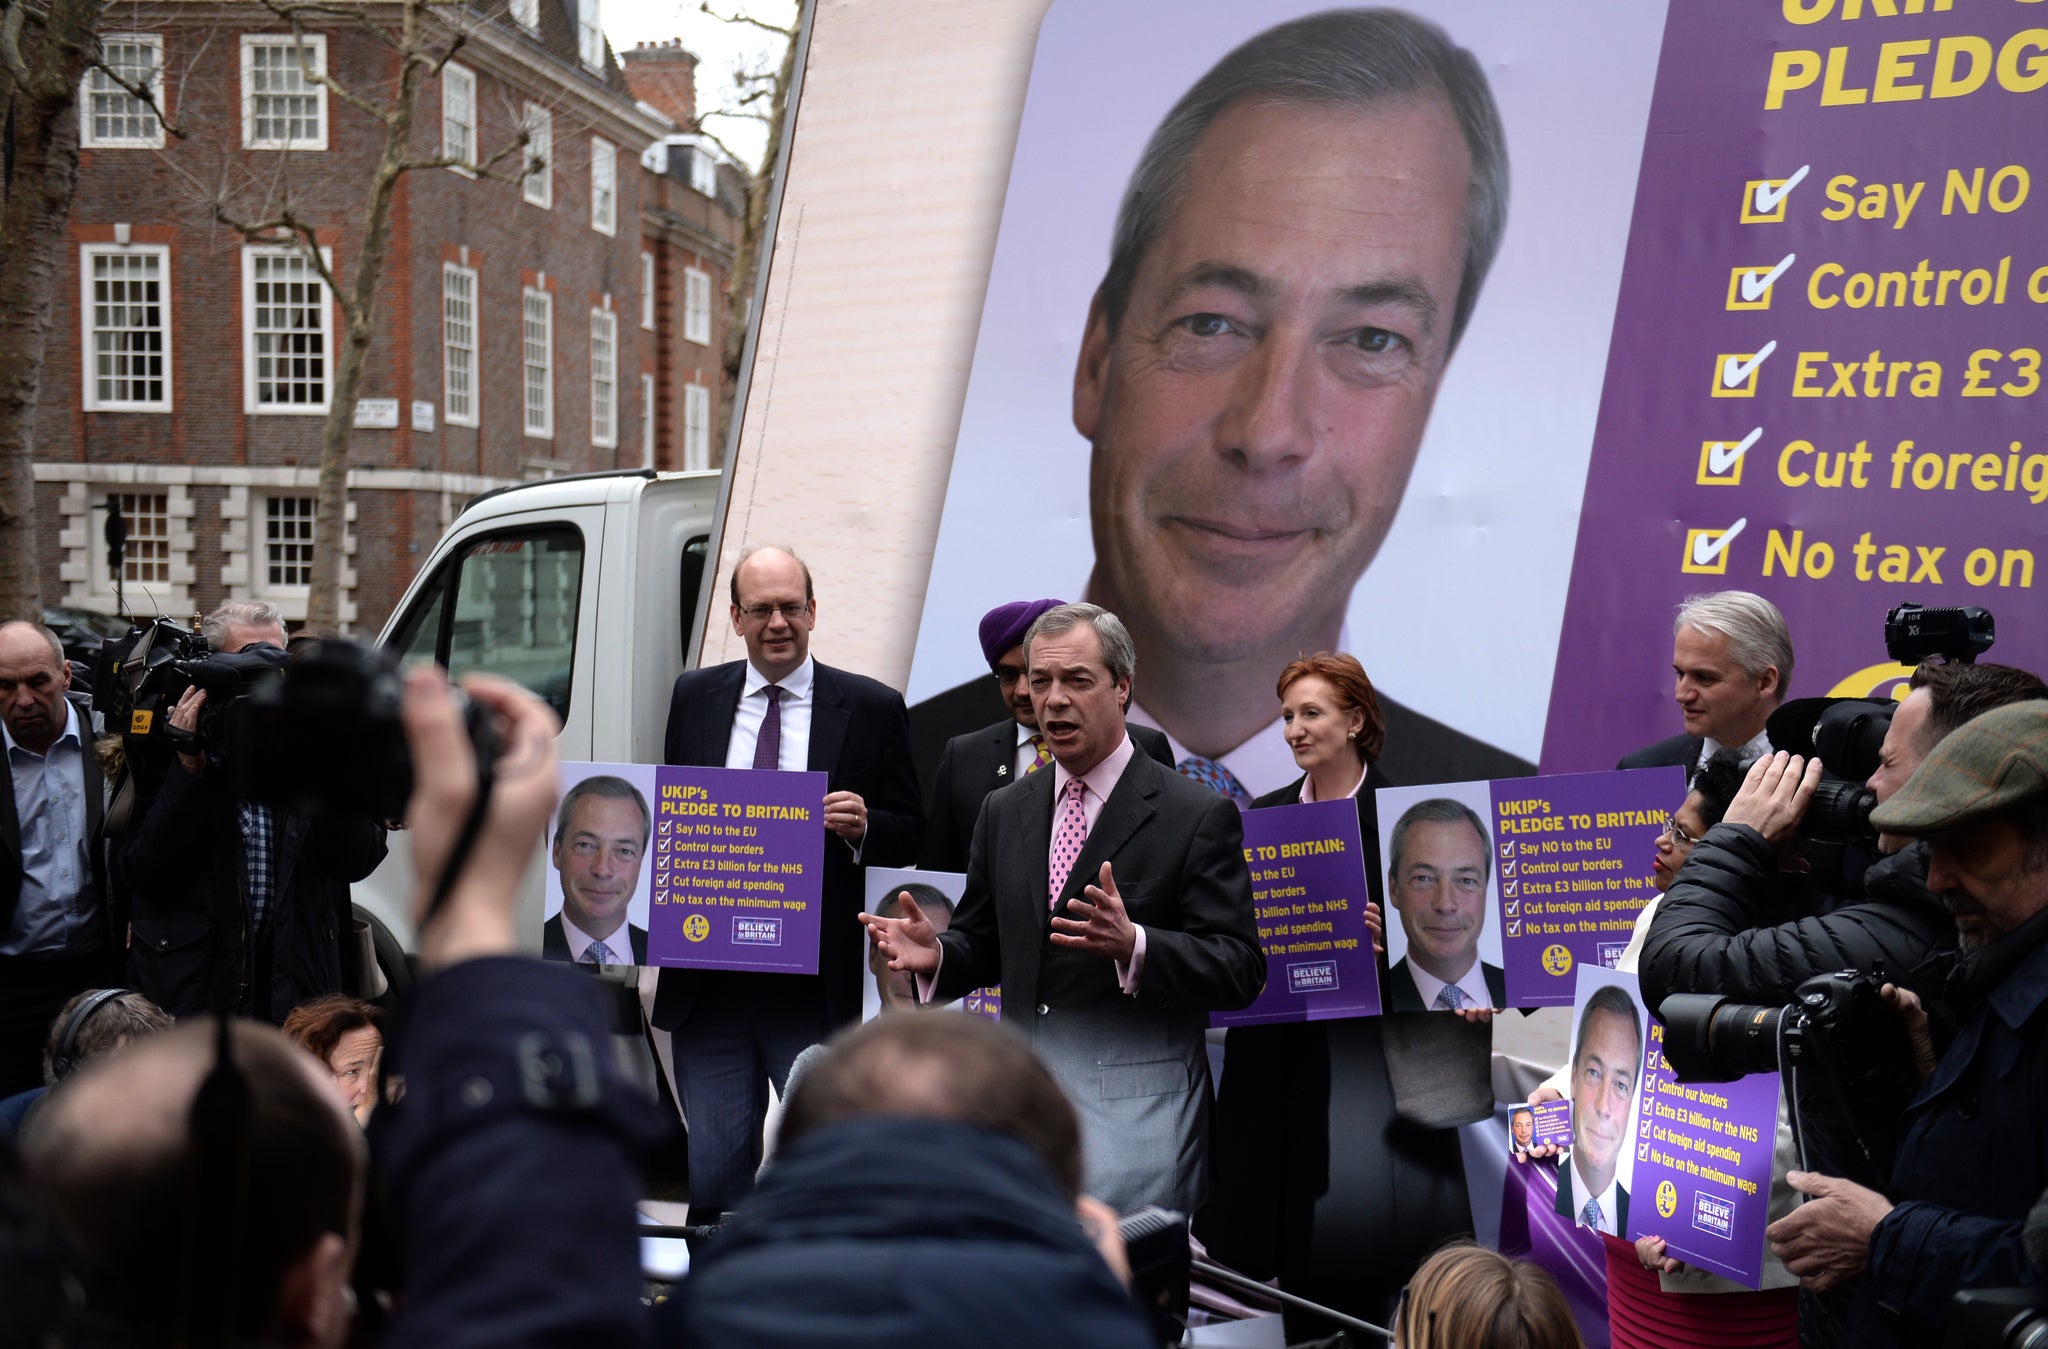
(1972,1155)
(239,907)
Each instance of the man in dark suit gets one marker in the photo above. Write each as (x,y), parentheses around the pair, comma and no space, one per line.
(1606,1061)
(1436,880)
(600,838)
(1240,485)
(736,1032)
(1146,872)
(975,764)
(60,931)
(1731,654)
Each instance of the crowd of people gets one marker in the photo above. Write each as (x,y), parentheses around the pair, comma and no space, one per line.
(1109,897)
(226,1134)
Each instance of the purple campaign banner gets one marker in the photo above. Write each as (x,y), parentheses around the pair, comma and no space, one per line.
(1825,377)
(1703,1166)
(1575,869)
(738,854)
(1308,886)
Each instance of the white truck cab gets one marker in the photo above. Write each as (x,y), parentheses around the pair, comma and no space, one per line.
(585,589)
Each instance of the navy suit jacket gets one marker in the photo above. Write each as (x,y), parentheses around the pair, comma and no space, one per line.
(1682,750)
(860,738)
(974,765)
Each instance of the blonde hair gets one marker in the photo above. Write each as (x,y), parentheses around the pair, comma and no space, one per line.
(1467,1297)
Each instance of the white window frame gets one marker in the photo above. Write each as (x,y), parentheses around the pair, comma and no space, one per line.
(317,42)
(646,420)
(453,277)
(703,171)
(538,185)
(526,13)
(590,34)
(697,306)
(696,427)
(604,203)
(604,379)
(545,428)
(153,138)
(260,583)
(459,122)
(647,290)
(102,576)
(250,253)
(89,349)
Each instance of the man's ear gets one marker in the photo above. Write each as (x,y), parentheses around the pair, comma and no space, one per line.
(737,629)
(315,1305)
(1091,371)
(1768,685)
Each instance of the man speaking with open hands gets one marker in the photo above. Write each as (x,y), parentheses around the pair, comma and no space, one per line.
(1111,900)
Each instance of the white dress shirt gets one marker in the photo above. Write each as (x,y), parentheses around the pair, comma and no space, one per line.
(1472,983)
(1027,753)
(797,703)
(1308,786)
(620,943)
(1757,747)
(1610,1199)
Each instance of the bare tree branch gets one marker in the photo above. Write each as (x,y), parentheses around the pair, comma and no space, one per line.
(10,46)
(746,19)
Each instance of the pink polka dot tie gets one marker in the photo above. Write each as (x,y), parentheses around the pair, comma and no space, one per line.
(1068,838)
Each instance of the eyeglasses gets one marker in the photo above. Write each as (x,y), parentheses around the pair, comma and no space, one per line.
(1677,835)
(761,613)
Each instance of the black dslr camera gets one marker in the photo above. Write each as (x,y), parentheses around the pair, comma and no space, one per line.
(1847,734)
(141,677)
(331,735)
(1838,1024)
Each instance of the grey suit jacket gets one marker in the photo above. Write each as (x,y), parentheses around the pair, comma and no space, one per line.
(1135,1067)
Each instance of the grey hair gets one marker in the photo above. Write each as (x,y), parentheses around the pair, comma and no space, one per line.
(254,613)
(1756,631)
(1119,652)
(1438,810)
(1358,58)
(605,787)
(1615,1002)
(733,584)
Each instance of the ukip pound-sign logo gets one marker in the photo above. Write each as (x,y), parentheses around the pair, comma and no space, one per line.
(696,927)
(1557,960)
(1667,1198)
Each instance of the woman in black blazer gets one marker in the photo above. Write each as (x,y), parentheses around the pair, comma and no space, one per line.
(1314,1177)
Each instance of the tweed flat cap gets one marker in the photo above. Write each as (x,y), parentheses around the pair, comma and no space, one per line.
(1985,765)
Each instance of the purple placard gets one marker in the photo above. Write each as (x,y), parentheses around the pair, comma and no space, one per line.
(1574,871)
(1553,1124)
(1703,1166)
(1823,382)
(1308,886)
(737,861)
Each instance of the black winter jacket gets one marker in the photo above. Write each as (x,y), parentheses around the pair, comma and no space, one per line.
(1723,928)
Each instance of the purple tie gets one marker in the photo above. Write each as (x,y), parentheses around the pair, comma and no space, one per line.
(768,745)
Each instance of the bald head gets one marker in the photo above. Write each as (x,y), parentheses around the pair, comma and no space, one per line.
(113,1158)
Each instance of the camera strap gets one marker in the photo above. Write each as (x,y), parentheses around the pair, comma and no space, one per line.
(465,840)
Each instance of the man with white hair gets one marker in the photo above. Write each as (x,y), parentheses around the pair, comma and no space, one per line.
(1731,654)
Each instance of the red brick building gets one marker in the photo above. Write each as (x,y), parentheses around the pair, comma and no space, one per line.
(692,204)
(189,370)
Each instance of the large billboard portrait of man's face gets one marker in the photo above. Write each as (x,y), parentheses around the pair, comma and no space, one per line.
(1293,341)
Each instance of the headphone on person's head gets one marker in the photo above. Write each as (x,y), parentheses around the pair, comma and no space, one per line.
(63,1061)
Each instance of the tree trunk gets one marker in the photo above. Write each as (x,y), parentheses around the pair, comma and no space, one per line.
(739,292)
(358,306)
(42,121)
